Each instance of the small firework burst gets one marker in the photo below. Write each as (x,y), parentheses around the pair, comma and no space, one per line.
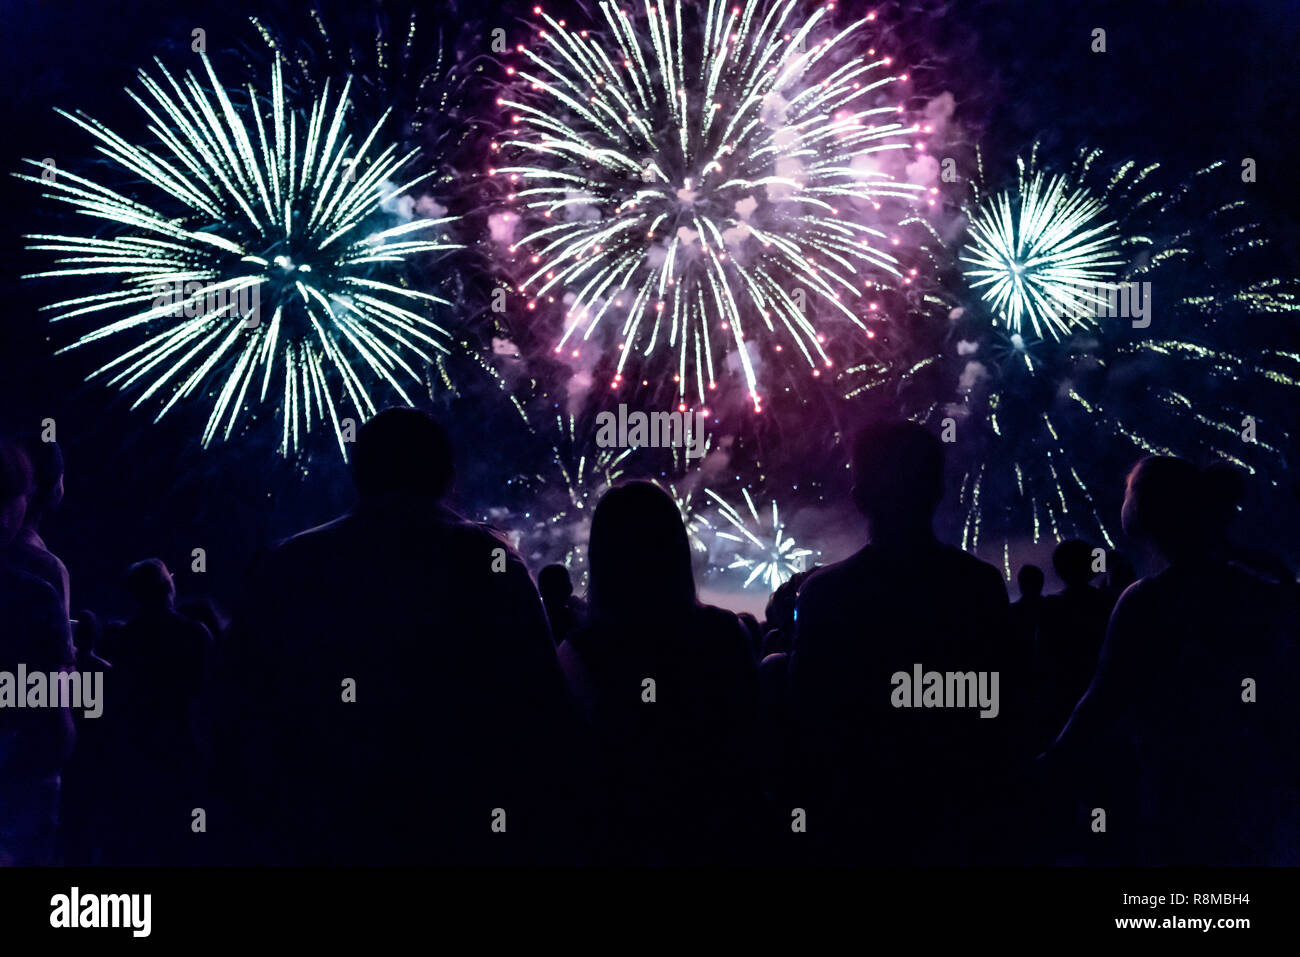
(766,551)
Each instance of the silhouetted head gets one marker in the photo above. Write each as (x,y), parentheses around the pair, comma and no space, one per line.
(15,487)
(554,583)
(47,477)
(639,556)
(86,635)
(779,612)
(897,477)
(1073,562)
(150,584)
(402,451)
(1030,580)
(1165,503)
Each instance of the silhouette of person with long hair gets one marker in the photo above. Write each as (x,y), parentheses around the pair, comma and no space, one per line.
(668,687)
(34,633)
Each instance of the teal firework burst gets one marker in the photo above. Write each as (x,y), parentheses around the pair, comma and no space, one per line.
(257,256)
(1043,255)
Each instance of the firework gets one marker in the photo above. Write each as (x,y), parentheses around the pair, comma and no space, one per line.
(1046,392)
(397,62)
(262,205)
(770,555)
(565,492)
(698,527)
(1033,248)
(702,178)
(587,472)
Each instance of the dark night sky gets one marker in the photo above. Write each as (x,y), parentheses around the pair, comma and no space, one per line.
(1183,82)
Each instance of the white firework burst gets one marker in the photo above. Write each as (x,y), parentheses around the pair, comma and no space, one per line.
(769,555)
(1043,255)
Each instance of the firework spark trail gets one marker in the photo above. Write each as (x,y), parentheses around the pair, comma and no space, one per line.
(769,555)
(262,199)
(699,179)
(587,474)
(397,63)
(697,524)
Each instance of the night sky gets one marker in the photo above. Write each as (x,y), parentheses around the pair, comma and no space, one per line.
(1185,83)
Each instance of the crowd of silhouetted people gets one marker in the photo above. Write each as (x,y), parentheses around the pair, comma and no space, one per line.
(394,688)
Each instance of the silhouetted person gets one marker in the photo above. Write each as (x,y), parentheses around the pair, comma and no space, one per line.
(159,667)
(161,655)
(882,782)
(1026,609)
(34,742)
(1188,729)
(1030,580)
(779,615)
(394,692)
(667,685)
(28,550)
(1071,629)
(563,609)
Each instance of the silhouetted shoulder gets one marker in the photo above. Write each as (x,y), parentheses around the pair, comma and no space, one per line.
(1140,594)
(831,579)
(312,538)
(966,567)
(479,537)
(874,565)
(1222,584)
